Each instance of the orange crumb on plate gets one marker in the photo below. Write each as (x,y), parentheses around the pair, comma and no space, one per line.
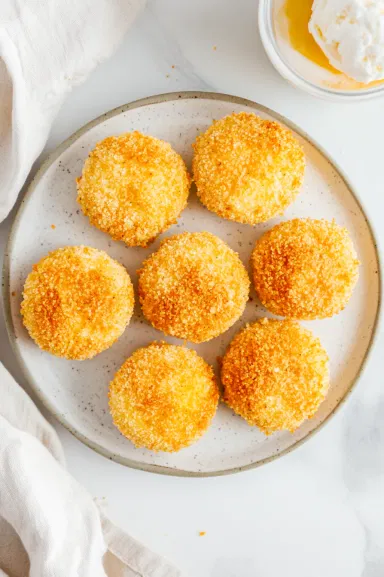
(202,533)
(53,226)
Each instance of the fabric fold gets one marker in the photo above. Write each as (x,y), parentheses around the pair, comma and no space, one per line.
(46,48)
(47,515)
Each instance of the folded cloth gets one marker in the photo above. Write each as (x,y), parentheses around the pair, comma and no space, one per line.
(46,47)
(49,525)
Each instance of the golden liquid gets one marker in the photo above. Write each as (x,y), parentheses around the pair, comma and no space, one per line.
(298,14)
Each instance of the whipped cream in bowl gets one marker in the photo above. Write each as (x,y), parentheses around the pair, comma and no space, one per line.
(351,35)
(330,48)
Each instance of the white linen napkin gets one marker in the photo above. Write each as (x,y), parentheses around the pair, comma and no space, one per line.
(46,47)
(49,525)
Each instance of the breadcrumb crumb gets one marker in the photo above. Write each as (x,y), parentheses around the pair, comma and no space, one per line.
(77,302)
(133,187)
(247,169)
(194,287)
(275,375)
(305,269)
(163,397)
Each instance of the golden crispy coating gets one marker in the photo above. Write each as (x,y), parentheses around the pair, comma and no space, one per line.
(194,287)
(133,187)
(77,302)
(163,397)
(305,269)
(275,375)
(247,169)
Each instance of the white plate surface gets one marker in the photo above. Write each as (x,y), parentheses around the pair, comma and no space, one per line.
(76,392)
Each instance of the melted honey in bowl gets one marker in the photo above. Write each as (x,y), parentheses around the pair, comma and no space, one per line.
(298,14)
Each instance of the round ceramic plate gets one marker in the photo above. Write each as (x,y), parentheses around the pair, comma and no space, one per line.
(76,392)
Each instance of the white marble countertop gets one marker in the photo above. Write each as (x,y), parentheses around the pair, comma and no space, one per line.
(317,512)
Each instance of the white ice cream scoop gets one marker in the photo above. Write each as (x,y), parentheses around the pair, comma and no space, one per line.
(351,35)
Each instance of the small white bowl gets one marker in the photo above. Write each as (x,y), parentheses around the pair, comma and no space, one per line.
(298,69)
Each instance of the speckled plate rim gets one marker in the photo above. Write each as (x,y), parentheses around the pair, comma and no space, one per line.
(169,97)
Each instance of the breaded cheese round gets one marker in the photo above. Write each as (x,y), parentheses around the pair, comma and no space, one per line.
(133,187)
(275,375)
(163,397)
(194,287)
(247,169)
(305,268)
(77,302)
